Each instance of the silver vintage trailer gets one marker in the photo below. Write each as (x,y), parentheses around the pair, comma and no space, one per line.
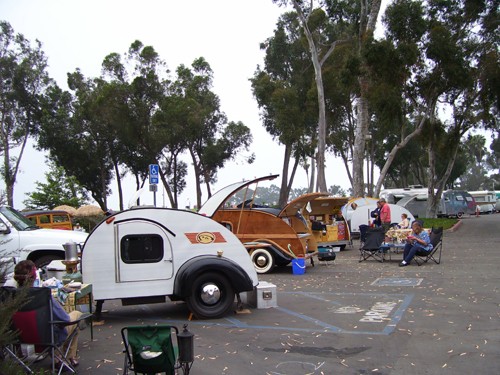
(144,255)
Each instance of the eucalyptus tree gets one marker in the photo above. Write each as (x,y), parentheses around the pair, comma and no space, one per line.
(206,125)
(476,153)
(439,57)
(322,42)
(458,52)
(170,120)
(75,136)
(23,81)
(285,94)
(398,118)
(141,82)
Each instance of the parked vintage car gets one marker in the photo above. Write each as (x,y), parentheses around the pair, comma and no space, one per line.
(52,219)
(328,225)
(272,236)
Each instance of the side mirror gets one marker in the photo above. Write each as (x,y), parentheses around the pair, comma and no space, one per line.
(4,229)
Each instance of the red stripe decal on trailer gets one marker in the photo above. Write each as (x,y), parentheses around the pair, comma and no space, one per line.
(205,238)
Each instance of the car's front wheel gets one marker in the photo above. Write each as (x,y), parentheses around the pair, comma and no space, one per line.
(212,296)
(262,260)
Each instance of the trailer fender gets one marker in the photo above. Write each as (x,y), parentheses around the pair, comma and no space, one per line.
(193,268)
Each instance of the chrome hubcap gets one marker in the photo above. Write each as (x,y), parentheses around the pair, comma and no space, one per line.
(210,294)
(261,260)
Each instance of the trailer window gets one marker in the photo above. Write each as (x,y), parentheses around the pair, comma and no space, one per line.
(144,248)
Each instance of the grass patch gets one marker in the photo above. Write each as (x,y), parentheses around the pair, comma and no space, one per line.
(446,223)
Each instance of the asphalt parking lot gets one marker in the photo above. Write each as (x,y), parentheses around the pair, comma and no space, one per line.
(345,317)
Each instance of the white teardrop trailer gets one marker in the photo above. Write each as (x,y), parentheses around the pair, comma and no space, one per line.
(143,255)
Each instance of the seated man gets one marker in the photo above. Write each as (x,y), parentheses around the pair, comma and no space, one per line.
(25,275)
(418,240)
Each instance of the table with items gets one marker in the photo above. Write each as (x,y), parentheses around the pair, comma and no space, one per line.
(395,240)
(71,298)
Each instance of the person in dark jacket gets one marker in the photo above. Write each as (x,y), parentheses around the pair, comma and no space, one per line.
(375,214)
(25,275)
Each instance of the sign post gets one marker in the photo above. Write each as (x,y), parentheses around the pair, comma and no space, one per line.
(153,180)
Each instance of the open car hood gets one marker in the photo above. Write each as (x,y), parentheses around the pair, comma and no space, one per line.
(213,203)
(296,205)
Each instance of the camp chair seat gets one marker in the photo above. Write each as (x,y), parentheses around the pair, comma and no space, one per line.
(362,234)
(36,326)
(372,246)
(436,237)
(150,349)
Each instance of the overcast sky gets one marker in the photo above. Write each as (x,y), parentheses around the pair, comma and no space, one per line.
(227,33)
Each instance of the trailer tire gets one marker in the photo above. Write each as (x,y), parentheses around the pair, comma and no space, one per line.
(262,260)
(212,296)
(42,263)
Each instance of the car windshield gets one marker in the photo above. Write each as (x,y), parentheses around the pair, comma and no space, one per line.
(18,221)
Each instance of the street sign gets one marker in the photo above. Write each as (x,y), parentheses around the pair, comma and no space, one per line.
(153,174)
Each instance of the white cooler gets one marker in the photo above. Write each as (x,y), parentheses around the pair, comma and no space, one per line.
(56,269)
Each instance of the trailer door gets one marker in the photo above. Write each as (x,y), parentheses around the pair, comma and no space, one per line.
(143,252)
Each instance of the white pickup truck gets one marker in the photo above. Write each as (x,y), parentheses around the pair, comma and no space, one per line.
(20,239)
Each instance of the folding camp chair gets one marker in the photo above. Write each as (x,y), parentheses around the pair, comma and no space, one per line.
(436,237)
(36,326)
(372,246)
(362,234)
(152,350)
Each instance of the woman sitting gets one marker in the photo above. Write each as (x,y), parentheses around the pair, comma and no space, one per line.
(25,275)
(418,240)
(405,222)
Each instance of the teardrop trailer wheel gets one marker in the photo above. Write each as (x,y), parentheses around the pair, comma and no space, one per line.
(212,296)
(262,260)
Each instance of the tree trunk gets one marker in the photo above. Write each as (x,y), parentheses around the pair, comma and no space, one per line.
(173,203)
(321,183)
(10,174)
(313,176)
(368,20)
(119,184)
(359,144)
(284,177)
(436,188)
(292,176)
(197,177)
(394,151)
(104,202)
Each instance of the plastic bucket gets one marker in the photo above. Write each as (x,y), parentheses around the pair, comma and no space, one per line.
(298,266)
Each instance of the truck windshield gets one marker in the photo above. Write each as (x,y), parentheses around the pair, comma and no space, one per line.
(17,220)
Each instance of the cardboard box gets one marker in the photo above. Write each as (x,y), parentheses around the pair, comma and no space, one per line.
(263,296)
